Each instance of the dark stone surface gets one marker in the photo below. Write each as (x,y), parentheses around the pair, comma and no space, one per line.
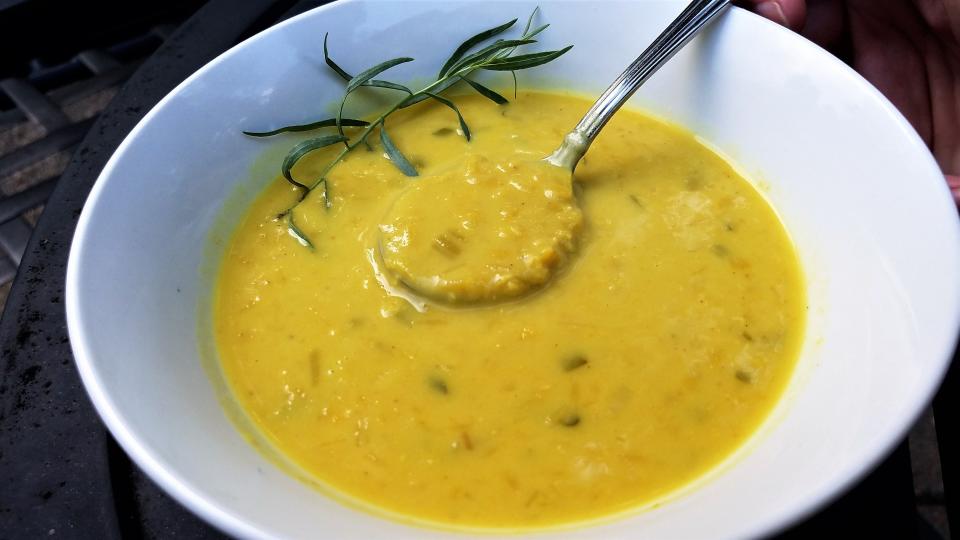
(60,474)
(946,408)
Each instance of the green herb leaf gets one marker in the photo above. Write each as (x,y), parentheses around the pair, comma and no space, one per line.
(327,203)
(488,52)
(532,16)
(413,100)
(448,103)
(303,149)
(329,122)
(420,96)
(470,43)
(514,75)
(295,232)
(487,93)
(333,65)
(535,31)
(388,84)
(347,77)
(524,61)
(396,157)
(368,74)
(365,77)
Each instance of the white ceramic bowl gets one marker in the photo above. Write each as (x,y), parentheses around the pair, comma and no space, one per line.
(861,195)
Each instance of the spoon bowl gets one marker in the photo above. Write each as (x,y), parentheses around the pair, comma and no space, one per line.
(484,232)
(486,253)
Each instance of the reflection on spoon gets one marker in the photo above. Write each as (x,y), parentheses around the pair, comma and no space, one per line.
(389,286)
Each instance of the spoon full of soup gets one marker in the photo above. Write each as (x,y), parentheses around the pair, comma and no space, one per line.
(489,232)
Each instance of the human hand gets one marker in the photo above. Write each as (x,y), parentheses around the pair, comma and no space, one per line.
(908,49)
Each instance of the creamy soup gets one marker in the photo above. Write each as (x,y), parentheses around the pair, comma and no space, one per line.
(641,352)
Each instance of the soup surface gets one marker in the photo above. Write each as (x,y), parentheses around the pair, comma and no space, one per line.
(654,352)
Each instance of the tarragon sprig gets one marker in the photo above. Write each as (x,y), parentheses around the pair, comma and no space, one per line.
(498,55)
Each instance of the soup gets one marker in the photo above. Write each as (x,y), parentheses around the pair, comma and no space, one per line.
(653,352)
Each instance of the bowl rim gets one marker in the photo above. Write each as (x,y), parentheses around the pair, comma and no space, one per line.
(181,489)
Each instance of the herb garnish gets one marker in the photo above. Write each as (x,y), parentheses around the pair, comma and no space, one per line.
(574,362)
(438,385)
(496,56)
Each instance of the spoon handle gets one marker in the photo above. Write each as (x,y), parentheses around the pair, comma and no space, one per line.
(696,15)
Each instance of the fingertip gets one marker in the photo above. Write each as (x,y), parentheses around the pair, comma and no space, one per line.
(789,13)
(796,13)
(954,183)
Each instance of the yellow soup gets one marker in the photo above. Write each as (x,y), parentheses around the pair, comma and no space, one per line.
(666,332)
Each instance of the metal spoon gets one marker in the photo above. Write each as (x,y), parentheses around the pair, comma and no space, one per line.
(491,284)
(679,33)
